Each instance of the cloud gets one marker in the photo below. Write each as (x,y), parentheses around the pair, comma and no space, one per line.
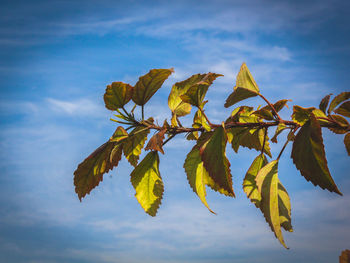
(80,107)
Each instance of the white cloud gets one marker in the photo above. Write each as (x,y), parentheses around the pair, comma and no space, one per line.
(78,107)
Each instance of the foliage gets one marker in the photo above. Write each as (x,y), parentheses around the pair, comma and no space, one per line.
(207,164)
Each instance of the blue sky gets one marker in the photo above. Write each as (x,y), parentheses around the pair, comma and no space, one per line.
(56,58)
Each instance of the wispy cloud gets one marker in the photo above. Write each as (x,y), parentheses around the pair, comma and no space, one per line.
(78,107)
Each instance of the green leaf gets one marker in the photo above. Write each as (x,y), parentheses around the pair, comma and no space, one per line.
(117,95)
(344,109)
(309,156)
(337,100)
(156,142)
(149,84)
(176,105)
(196,93)
(324,103)
(269,187)
(215,160)
(249,184)
(197,175)
(347,142)
(90,172)
(280,127)
(133,145)
(245,79)
(200,121)
(279,105)
(301,115)
(238,95)
(342,122)
(248,137)
(284,208)
(148,183)
(245,87)
(119,135)
(264,114)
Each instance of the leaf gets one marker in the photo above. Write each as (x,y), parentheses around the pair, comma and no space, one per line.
(248,137)
(309,156)
(148,183)
(249,184)
(175,103)
(280,127)
(337,100)
(279,105)
(347,142)
(264,114)
(149,84)
(196,93)
(342,122)
(197,175)
(284,208)
(245,87)
(156,142)
(344,109)
(215,160)
(133,145)
(344,256)
(119,135)
(200,121)
(117,95)
(301,115)
(268,184)
(238,95)
(90,172)
(324,103)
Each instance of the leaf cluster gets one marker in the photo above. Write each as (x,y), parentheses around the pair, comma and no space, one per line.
(207,163)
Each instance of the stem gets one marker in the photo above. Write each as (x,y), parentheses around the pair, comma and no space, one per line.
(142,112)
(171,136)
(127,114)
(272,107)
(284,147)
(206,117)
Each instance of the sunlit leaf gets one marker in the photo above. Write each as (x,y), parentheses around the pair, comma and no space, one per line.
(133,145)
(148,183)
(347,142)
(197,175)
(301,115)
(337,100)
(264,114)
(149,84)
(268,184)
(90,172)
(309,156)
(250,138)
(176,105)
(196,93)
(117,95)
(200,121)
(284,208)
(324,103)
(279,105)
(249,184)
(245,88)
(119,135)
(156,142)
(215,160)
(344,109)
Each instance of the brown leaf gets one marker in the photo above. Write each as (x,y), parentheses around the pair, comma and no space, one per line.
(156,142)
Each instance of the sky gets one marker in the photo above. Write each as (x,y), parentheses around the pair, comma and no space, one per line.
(56,58)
